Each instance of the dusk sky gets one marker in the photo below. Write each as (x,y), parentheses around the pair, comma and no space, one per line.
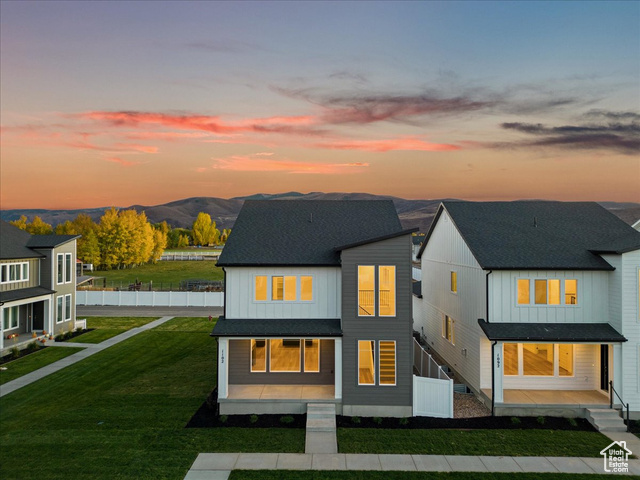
(121,103)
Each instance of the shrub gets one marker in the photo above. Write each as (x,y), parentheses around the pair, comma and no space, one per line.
(356,420)
(67,335)
(515,421)
(377,420)
(60,337)
(540,420)
(572,422)
(223,418)
(253,418)
(32,347)
(404,421)
(287,419)
(15,352)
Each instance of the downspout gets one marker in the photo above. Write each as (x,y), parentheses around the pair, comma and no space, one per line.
(224,306)
(493,379)
(486,292)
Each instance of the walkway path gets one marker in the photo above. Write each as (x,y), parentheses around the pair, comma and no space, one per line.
(218,466)
(89,349)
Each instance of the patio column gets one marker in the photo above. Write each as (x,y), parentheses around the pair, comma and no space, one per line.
(1,327)
(616,370)
(223,367)
(338,367)
(47,322)
(498,369)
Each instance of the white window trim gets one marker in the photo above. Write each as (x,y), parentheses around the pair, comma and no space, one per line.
(299,353)
(374,363)
(67,307)
(266,355)
(60,299)
(68,273)
(9,309)
(373,314)
(20,266)
(395,364)
(377,291)
(532,293)
(59,269)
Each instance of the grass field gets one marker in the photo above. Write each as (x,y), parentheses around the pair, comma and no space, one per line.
(374,475)
(33,362)
(107,327)
(165,273)
(120,414)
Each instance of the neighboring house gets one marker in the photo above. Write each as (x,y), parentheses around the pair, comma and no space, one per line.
(535,305)
(37,284)
(416,240)
(317,309)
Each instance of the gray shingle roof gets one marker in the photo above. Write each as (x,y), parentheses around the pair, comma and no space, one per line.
(280,327)
(13,243)
(305,232)
(22,293)
(551,332)
(49,241)
(539,234)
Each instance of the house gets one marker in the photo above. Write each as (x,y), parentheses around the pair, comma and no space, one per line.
(37,285)
(416,240)
(534,305)
(317,309)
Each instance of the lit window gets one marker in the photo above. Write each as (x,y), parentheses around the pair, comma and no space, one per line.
(258,355)
(366,362)
(510,359)
(571,292)
(366,290)
(448,327)
(387,291)
(537,359)
(554,292)
(277,288)
(541,292)
(312,355)
(261,288)
(67,266)
(454,282)
(60,268)
(290,288)
(565,360)
(67,307)
(387,373)
(306,289)
(523,292)
(59,309)
(285,355)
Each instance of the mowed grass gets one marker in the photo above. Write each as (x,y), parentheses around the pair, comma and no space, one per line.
(557,443)
(34,361)
(120,414)
(375,475)
(163,272)
(107,327)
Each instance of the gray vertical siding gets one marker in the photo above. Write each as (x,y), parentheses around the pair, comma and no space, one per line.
(395,251)
(240,367)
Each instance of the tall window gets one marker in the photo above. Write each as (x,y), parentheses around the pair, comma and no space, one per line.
(366,362)
(277,288)
(448,329)
(312,355)
(523,292)
(60,272)
(306,288)
(261,288)
(387,291)
(285,355)
(290,293)
(554,292)
(366,290)
(387,370)
(541,292)
(571,292)
(11,318)
(510,355)
(454,282)
(258,355)
(59,309)
(537,359)
(67,268)
(67,307)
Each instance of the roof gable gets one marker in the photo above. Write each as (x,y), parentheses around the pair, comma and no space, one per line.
(13,243)
(305,232)
(540,235)
(49,241)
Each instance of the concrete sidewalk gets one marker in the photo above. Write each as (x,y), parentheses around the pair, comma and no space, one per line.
(218,466)
(89,349)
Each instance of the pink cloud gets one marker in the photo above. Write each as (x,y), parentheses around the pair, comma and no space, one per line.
(120,161)
(403,143)
(245,163)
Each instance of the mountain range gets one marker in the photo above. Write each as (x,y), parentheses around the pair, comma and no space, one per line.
(182,213)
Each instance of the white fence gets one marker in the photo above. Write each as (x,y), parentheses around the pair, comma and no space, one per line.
(150,299)
(416,274)
(432,389)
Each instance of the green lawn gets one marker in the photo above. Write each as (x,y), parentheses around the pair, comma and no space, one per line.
(34,361)
(107,327)
(120,414)
(375,475)
(164,272)
(557,443)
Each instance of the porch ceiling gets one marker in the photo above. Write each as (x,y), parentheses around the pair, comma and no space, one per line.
(551,332)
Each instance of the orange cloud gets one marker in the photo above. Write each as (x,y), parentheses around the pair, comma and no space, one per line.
(246,163)
(120,161)
(404,143)
(138,148)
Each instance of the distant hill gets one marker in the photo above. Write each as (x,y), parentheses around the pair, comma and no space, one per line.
(182,213)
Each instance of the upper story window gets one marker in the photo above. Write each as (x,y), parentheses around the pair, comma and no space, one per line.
(283,288)
(64,271)
(386,291)
(547,291)
(454,282)
(60,271)
(67,268)
(14,272)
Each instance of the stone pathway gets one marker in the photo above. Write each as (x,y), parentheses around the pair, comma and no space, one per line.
(218,466)
(89,349)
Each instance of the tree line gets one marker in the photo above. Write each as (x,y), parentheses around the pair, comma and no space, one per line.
(126,238)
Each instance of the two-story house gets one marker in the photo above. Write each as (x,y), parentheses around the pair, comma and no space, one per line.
(534,305)
(37,285)
(317,309)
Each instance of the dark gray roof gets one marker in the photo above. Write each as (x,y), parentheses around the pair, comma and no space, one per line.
(551,332)
(279,327)
(49,241)
(22,293)
(305,232)
(416,288)
(13,243)
(539,235)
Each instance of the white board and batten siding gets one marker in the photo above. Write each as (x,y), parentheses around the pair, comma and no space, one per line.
(447,252)
(241,303)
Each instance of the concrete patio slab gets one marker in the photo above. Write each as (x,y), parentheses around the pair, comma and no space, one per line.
(294,461)
(569,464)
(466,463)
(431,463)
(363,462)
(321,442)
(215,461)
(501,464)
(535,464)
(328,461)
(257,461)
(402,463)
